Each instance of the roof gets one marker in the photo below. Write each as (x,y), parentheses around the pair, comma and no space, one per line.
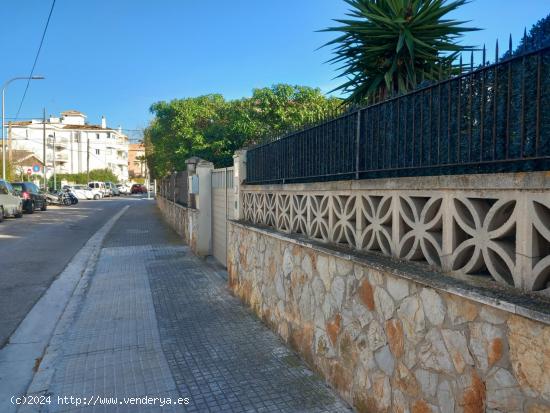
(73,112)
(20,123)
(20,155)
(89,127)
(68,126)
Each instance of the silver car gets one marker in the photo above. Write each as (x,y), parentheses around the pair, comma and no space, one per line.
(81,191)
(10,202)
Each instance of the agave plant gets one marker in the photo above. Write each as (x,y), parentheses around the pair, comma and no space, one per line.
(389,46)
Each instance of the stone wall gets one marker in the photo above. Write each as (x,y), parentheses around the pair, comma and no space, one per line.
(182,219)
(393,336)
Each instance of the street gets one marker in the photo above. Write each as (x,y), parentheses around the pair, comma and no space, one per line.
(36,248)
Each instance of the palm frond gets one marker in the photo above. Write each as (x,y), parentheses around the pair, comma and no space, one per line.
(387,46)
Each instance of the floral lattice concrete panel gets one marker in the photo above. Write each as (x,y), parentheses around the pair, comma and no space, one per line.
(501,234)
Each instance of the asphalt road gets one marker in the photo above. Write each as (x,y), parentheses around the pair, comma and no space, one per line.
(35,249)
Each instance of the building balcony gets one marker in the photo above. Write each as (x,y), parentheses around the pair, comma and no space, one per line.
(58,142)
(59,157)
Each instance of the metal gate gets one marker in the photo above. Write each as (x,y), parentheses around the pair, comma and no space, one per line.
(222,202)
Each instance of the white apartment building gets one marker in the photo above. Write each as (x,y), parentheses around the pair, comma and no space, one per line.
(72,145)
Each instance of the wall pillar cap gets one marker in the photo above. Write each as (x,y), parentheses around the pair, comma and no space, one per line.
(239,152)
(192,164)
(205,164)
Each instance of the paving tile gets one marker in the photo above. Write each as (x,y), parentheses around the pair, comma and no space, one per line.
(157,321)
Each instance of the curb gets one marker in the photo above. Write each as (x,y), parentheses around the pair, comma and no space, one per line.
(60,305)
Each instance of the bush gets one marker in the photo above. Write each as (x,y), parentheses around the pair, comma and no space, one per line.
(102,175)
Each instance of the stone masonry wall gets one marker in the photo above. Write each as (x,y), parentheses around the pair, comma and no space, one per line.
(387,343)
(183,220)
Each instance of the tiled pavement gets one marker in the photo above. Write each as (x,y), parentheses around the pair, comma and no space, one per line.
(157,321)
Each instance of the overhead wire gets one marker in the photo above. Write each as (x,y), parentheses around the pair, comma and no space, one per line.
(36,58)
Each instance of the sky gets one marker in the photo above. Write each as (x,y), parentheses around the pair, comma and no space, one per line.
(117,57)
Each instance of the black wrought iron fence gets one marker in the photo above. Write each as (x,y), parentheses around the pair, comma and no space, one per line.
(492,119)
(175,187)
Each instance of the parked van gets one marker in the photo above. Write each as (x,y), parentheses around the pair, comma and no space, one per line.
(98,188)
(112,189)
(10,202)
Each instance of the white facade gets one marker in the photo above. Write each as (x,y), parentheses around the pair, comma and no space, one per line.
(72,146)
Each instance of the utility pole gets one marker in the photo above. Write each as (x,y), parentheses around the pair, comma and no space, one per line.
(44,149)
(54,176)
(10,156)
(71,146)
(147,180)
(88,156)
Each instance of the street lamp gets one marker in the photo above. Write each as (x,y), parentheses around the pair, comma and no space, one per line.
(4,86)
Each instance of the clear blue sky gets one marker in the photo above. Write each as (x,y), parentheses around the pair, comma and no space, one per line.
(116,57)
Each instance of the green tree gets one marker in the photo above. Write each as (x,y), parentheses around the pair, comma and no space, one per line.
(389,46)
(213,128)
(537,37)
(102,175)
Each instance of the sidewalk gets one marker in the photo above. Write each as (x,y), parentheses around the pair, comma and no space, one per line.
(154,320)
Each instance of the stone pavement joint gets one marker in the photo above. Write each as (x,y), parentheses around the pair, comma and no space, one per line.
(157,321)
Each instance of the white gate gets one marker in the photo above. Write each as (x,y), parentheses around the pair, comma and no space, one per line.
(222,202)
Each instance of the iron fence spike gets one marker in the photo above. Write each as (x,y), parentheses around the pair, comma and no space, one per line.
(484,55)
(510,44)
(496,53)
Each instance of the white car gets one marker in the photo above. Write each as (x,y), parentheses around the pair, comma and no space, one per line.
(10,203)
(123,189)
(82,192)
(98,189)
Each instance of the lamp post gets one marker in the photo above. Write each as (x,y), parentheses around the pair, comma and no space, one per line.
(4,86)
(52,137)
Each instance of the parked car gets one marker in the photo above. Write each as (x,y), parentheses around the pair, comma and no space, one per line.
(32,197)
(138,189)
(80,191)
(123,189)
(112,188)
(98,188)
(10,202)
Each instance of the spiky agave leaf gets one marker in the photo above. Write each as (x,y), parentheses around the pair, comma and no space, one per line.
(389,46)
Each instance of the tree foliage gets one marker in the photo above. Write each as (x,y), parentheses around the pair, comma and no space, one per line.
(102,175)
(537,37)
(213,128)
(389,46)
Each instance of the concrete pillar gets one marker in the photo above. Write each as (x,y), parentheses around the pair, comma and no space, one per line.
(204,206)
(239,176)
(191,164)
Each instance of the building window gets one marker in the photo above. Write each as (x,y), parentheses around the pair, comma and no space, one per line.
(97,135)
(97,151)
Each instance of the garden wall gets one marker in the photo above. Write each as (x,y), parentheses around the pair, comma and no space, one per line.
(395,336)
(182,219)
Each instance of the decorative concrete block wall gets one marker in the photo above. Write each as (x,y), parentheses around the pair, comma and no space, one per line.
(496,225)
(391,336)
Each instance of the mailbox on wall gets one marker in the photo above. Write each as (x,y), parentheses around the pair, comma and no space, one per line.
(194,184)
